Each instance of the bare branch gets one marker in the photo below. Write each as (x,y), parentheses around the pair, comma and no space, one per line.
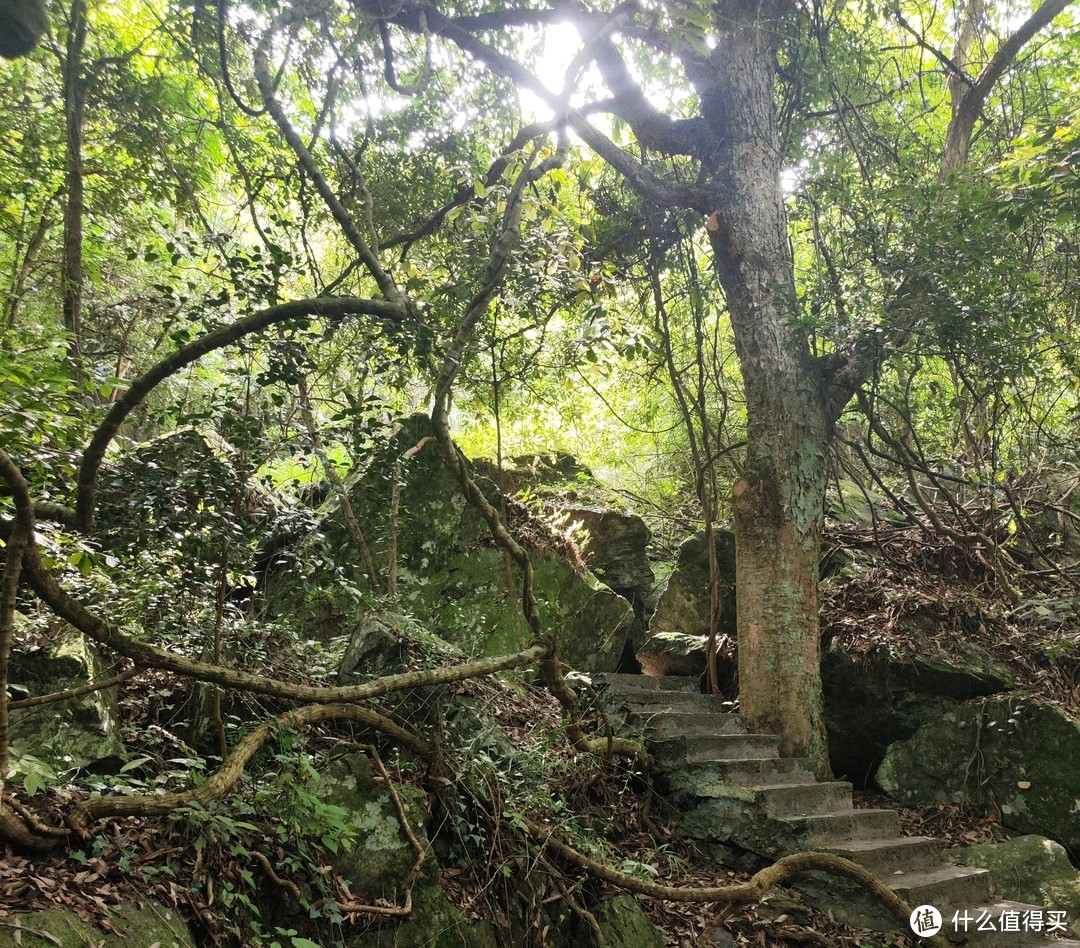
(966,112)
(344,220)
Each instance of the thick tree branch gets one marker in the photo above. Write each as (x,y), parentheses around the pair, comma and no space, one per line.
(958,138)
(653,129)
(333,308)
(18,542)
(232,769)
(497,62)
(75,613)
(778,873)
(647,185)
(86,689)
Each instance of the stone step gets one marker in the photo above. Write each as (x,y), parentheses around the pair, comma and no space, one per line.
(794,796)
(824,830)
(724,779)
(805,799)
(886,857)
(645,701)
(664,723)
(745,772)
(617,682)
(947,888)
(674,750)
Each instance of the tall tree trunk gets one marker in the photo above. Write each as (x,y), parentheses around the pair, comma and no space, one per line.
(72,277)
(779,502)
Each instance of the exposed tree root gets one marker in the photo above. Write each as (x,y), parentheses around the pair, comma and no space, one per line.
(405,909)
(286,885)
(233,768)
(93,686)
(92,625)
(30,818)
(22,836)
(779,872)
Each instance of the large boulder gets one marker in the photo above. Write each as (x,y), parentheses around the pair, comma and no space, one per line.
(452,578)
(384,642)
(615,549)
(131,925)
(1030,869)
(616,540)
(624,922)
(679,627)
(64,735)
(1018,757)
(380,860)
(183,482)
(877,699)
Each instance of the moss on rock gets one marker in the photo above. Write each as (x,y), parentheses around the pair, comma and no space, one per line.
(135,926)
(1031,869)
(625,924)
(1017,755)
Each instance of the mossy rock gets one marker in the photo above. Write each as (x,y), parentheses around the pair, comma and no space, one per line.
(880,699)
(1030,869)
(140,926)
(382,642)
(625,924)
(71,734)
(381,857)
(452,579)
(684,606)
(1018,756)
(435,923)
(380,860)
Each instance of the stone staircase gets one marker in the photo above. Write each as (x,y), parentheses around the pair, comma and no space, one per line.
(731,790)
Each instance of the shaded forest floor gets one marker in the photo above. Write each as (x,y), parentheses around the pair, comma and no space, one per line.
(209,869)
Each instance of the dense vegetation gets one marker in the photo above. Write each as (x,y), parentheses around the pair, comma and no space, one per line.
(731,256)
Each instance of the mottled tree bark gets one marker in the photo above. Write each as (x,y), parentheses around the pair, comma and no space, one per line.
(778,504)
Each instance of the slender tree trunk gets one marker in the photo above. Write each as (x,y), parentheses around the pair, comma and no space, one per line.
(779,502)
(72,277)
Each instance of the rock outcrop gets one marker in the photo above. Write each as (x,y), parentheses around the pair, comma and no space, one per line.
(379,862)
(877,700)
(452,578)
(131,926)
(64,735)
(1029,869)
(679,628)
(1017,756)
